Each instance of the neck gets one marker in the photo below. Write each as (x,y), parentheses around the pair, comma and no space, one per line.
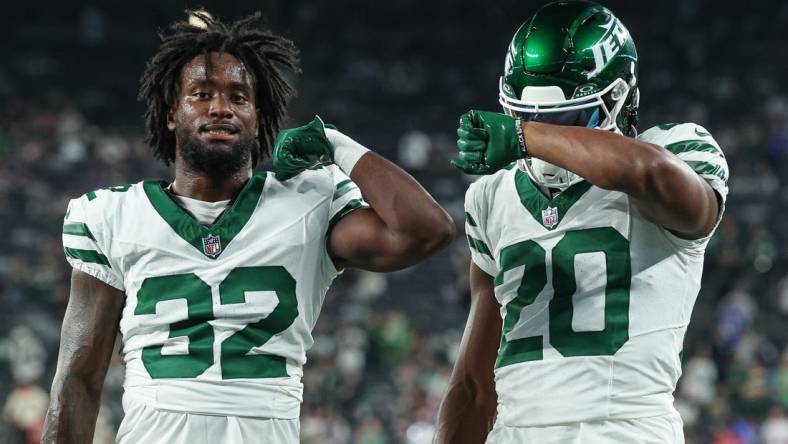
(200,186)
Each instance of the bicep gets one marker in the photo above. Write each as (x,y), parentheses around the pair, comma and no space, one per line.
(679,200)
(361,239)
(479,346)
(90,326)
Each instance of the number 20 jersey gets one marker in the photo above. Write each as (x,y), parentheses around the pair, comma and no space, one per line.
(217,320)
(595,299)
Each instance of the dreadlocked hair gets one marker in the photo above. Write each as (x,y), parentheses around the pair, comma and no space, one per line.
(261,52)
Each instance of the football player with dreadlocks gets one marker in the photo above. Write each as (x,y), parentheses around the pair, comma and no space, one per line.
(587,244)
(215,280)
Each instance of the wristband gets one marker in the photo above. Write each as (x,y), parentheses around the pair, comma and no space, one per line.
(346,150)
(518,123)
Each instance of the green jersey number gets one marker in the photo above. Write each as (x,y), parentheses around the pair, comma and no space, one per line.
(563,338)
(236,362)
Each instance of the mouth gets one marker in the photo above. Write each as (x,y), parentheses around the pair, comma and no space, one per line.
(219,132)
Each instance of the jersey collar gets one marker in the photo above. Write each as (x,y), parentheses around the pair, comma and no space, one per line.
(548,212)
(209,241)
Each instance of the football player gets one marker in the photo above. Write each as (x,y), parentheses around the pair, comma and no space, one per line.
(216,280)
(587,244)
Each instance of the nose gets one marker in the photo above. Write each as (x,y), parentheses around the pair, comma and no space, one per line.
(220,107)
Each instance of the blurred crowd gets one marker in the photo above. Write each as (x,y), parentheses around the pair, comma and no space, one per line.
(385,344)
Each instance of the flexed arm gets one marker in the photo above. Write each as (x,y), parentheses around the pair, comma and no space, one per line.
(662,187)
(403,227)
(404,224)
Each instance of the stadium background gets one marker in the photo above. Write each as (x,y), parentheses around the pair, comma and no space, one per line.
(396,76)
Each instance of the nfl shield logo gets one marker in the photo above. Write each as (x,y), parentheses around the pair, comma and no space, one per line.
(211,246)
(550,217)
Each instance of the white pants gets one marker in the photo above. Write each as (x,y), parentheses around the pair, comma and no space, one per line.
(146,425)
(665,429)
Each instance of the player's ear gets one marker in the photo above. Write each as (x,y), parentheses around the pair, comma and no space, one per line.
(171,119)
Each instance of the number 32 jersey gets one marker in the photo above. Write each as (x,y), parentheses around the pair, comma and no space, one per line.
(217,320)
(595,299)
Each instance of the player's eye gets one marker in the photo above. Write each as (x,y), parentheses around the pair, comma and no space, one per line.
(201,95)
(237,98)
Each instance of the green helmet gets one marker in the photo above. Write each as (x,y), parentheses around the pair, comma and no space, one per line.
(571,63)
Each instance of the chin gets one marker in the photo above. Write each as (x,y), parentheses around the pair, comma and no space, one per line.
(221,142)
(217,157)
(224,145)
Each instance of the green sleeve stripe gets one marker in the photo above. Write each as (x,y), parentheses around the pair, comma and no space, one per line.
(343,188)
(91,256)
(687,146)
(77,229)
(117,189)
(351,206)
(479,246)
(470,220)
(709,169)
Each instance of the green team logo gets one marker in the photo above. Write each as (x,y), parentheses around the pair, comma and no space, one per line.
(609,45)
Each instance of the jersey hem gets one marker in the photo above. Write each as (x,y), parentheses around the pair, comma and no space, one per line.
(667,412)
(239,398)
(650,414)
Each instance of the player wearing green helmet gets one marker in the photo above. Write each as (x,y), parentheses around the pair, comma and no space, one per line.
(586,75)
(587,243)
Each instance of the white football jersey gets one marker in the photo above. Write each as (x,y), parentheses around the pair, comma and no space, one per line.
(217,320)
(595,299)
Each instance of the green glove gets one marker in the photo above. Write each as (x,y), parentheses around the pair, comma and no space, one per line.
(301,148)
(487,141)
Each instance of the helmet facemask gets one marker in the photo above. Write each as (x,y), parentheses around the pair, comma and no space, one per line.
(600,110)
